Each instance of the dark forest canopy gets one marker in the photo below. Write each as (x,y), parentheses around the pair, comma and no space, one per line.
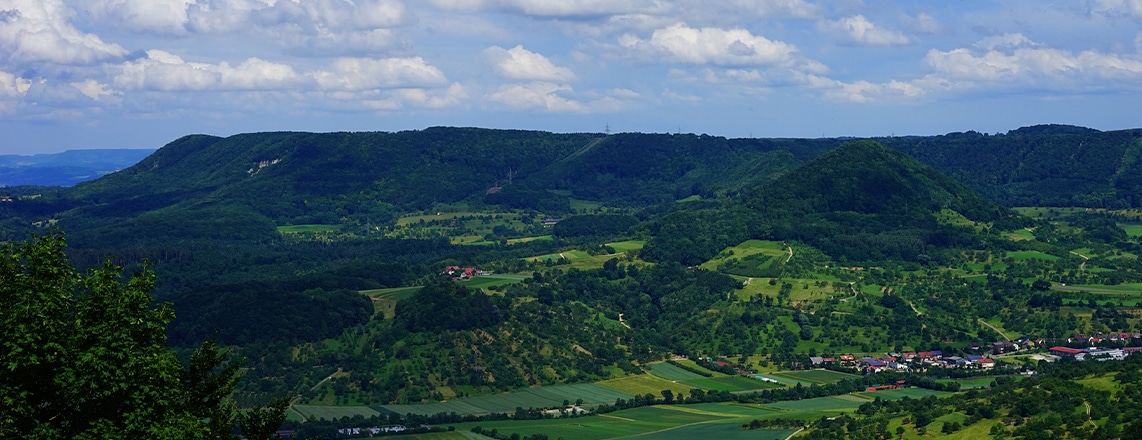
(239,187)
(859,202)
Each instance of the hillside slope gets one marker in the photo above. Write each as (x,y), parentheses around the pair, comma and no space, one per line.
(859,202)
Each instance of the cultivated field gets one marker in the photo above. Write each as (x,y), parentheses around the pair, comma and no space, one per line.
(720,431)
(316,412)
(845,403)
(729,383)
(542,397)
(582,260)
(815,376)
(914,393)
(385,300)
(296,229)
(659,420)
(670,372)
(643,384)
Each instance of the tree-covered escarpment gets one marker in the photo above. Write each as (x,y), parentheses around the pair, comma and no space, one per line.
(858,202)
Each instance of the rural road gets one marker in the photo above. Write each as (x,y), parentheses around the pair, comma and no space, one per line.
(294,400)
(1084,257)
(981,321)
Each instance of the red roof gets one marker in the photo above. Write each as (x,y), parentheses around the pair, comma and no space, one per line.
(1066,350)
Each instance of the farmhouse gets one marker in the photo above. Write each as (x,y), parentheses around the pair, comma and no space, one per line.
(462,274)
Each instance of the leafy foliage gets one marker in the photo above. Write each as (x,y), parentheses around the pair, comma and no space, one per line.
(85,358)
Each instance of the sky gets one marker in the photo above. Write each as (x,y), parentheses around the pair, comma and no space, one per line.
(140,73)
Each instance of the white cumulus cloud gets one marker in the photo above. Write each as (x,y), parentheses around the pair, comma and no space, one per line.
(355,74)
(522,64)
(165,71)
(859,30)
(12,91)
(1005,41)
(537,95)
(153,16)
(558,9)
(923,24)
(94,90)
(724,47)
(1132,8)
(40,31)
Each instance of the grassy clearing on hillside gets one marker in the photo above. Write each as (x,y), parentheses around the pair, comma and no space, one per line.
(509,241)
(643,384)
(829,404)
(1030,255)
(296,229)
(1020,235)
(316,412)
(1101,383)
(914,393)
(670,372)
(691,364)
(486,281)
(1132,229)
(583,261)
(804,289)
(385,300)
(967,384)
(759,258)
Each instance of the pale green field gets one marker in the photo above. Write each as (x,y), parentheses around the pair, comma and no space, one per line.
(294,229)
(618,424)
(1132,229)
(510,241)
(729,383)
(540,397)
(1030,255)
(404,221)
(584,261)
(385,300)
(334,412)
(1103,383)
(670,372)
(1020,235)
(643,384)
(750,247)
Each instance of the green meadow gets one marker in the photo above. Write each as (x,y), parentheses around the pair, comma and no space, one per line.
(296,229)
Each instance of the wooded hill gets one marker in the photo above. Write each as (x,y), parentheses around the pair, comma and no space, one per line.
(206,211)
(241,186)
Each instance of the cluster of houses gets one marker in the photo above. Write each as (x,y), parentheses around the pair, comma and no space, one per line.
(1100,336)
(908,361)
(460,274)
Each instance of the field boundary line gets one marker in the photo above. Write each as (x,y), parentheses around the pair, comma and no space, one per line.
(617,417)
(671,428)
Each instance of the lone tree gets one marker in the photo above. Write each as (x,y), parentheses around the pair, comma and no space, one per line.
(83,356)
